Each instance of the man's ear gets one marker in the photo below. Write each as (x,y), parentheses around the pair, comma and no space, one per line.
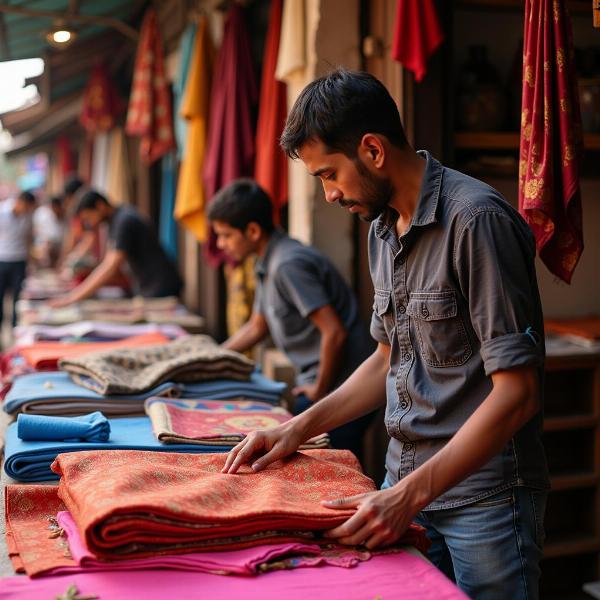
(372,150)
(253,231)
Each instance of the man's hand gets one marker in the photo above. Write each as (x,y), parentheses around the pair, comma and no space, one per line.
(310,390)
(273,444)
(382,517)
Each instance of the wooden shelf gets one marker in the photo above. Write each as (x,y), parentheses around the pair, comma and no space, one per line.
(576,7)
(571,422)
(570,546)
(506,140)
(574,481)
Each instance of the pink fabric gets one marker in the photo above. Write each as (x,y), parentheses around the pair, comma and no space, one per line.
(238,562)
(398,576)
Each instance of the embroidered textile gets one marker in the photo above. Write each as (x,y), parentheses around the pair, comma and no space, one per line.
(134,504)
(130,371)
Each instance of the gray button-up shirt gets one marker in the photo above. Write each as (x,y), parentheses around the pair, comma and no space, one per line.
(294,280)
(456,298)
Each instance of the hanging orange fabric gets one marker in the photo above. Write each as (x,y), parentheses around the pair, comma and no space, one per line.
(271,168)
(190,203)
(149,115)
(101,103)
(417,33)
(551,139)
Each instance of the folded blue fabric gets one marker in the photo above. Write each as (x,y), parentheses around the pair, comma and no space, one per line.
(87,428)
(30,461)
(55,393)
(258,387)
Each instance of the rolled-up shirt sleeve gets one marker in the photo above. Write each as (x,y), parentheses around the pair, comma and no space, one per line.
(495,267)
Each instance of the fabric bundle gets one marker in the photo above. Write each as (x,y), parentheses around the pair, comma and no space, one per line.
(258,387)
(401,576)
(44,356)
(100,330)
(135,370)
(30,461)
(87,428)
(130,504)
(55,394)
(223,423)
(210,421)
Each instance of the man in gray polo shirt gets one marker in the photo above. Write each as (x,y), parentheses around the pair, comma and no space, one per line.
(16,236)
(301,300)
(458,322)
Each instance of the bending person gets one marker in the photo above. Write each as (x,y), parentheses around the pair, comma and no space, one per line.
(131,241)
(301,299)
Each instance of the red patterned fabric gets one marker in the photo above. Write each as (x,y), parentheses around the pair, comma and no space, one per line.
(551,140)
(417,33)
(101,103)
(150,113)
(131,504)
(33,544)
(271,168)
(65,157)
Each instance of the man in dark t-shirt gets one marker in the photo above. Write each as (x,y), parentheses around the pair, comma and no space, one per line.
(130,240)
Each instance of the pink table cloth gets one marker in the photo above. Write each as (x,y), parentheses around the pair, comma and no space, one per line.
(396,576)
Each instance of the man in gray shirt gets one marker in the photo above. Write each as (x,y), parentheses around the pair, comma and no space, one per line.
(459,363)
(16,236)
(301,300)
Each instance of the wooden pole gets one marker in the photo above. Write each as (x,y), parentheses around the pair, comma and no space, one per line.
(596,10)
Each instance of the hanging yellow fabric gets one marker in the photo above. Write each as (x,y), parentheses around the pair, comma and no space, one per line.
(190,202)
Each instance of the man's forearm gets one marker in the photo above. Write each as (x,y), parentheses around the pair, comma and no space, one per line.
(361,393)
(506,409)
(245,338)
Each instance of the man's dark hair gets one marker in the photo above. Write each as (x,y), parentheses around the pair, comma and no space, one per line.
(240,203)
(72,185)
(89,201)
(338,109)
(56,202)
(27,197)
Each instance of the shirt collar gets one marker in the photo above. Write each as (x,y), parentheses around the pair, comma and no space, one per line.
(425,213)
(262,263)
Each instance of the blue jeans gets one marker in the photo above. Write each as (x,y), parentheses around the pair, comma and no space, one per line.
(491,548)
(12,275)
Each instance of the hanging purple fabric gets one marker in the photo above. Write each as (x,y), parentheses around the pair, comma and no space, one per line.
(230,144)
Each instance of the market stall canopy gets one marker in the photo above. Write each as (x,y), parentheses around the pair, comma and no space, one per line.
(25,23)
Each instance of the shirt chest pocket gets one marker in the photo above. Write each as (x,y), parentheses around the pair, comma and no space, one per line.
(384,309)
(443,340)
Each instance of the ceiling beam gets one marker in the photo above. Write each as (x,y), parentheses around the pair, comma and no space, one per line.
(121,26)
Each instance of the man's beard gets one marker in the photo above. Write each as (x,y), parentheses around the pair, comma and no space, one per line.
(376,193)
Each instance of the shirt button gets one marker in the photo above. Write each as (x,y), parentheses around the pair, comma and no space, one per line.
(403,404)
(402,309)
(401,260)
(407,357)
(408,446)
(425,312)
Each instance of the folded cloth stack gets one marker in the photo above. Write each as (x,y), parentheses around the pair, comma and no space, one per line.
(30,461)
(55,393)
(130,504)
(86,428)
(258,387)
(44,356)
(41,550)
(27,335)
(135,370)
(215,421)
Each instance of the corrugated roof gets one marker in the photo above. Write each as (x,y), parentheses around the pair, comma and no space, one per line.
(23,35)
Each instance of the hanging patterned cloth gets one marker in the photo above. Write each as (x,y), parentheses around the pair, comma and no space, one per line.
(101,104)
(550,152)
(271,168)
(191,202)
(417,33)
(149,115)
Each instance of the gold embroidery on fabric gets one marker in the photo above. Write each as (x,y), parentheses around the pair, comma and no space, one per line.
(568,155)
(529,78)
(564,105)
(533,188)
(560,59)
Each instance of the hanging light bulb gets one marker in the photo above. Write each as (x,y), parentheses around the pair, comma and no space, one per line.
(60,36)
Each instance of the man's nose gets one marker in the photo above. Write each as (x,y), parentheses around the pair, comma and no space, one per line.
(333,194)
